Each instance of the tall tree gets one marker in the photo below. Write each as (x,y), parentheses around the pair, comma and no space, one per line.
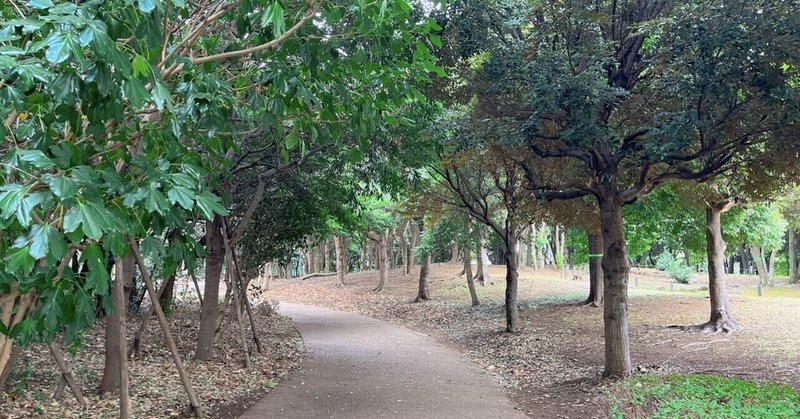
(632,94)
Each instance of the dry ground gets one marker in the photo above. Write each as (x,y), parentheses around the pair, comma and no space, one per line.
(552,368)
(224,387)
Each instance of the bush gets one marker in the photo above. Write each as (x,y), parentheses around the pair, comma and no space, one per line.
(664,261)
(676,268)
(680,272)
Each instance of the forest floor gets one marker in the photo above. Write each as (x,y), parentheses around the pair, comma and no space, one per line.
(225,389)
(552,368)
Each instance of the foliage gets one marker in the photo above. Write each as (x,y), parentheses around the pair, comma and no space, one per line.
(761,225)
(675,268)
(121,120)
(702,395)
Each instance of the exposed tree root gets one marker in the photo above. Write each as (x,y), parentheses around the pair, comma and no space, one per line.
(318,274)
(711,326)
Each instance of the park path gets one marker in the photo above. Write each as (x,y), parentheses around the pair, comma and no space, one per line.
(360,367)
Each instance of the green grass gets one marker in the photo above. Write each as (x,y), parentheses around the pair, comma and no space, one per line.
(701,396)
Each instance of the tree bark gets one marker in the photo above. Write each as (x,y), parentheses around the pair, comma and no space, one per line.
(401,235)
(615,283)
(512,311)
(416,230)
(595,270)
(483,269)
(473,293)
(529,248)
(326,266)
(208,311)
(423,293)
(761,267)
(721,318)
(381,259)
(341,264)
(792,256)
(116,336)
(454,253)
(168,296)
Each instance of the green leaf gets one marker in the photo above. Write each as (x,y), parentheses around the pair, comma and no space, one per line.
(146,6)
(40,4)
(140,66)
(62,186)
(291,139)
(89,217)
(209,204)
(274,15)
(161,96)
(154,201)
(36,158)
(134,91)
(181,196)
(59,47)
(19,259)
(11,198)
(40,240)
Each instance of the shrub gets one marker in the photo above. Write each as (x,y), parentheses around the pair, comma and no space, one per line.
(680,272)
(676,268)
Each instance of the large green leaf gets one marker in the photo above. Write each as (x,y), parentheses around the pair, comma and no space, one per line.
(62,186)
(209,205)
(60,45)
(19,260)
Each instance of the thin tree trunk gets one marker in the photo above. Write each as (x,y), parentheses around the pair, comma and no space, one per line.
(194,403)
(473,294)
(454,253)
(69,380)
(531,245)
(416,230)
(116,336)
(326,256)
(423,293)
(483,269)
(512,311)
(382,256)
(761,267)
(771,269)
(615,283)
(595,270)
(168,296)
(210,307)
(721,318)
(792,256)
(341,264)
(401,235)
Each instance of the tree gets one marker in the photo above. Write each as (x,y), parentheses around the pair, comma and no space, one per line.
(643,95)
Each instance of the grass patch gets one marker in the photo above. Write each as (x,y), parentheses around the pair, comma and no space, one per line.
(701,396)
(780,292)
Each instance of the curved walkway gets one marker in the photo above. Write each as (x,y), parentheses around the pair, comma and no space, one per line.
(360,367)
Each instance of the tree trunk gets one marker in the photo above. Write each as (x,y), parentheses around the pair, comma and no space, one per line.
(208,311)
(483,268)
(771,269)
(538,253)
(473,294)
(416,230)
(326,257)
(168,296)
(381,259)
(761,267)
(454,253)
(424,289)
(341,264)
(615,285)
(116,336)
(512,311)
(791,258)
(595,270)
(529,248)
(721,318)
(401,235)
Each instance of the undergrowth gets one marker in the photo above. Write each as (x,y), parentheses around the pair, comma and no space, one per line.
(701,396)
